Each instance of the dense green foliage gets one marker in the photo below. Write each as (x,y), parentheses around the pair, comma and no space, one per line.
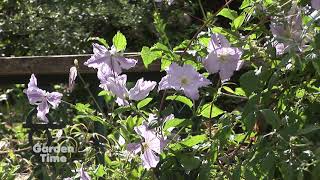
(64,27)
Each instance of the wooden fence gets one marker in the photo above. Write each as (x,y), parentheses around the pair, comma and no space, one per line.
(55,69)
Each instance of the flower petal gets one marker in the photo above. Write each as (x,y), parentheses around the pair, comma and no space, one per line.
(315,4)
(100,56)
(104,72)
(122,102)
(84,175)
(54,99)
(117,86)
(149,159)
(154,143)
(33,82)
(141,90)
(43,109)
(217,41)
(212,63)
(126,63)
(192,93)
(134,148)
(141,130)
(35,95)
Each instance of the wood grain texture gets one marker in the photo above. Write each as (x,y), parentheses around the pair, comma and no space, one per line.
(56,68)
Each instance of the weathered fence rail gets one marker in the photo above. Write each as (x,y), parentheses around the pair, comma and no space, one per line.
(55,69)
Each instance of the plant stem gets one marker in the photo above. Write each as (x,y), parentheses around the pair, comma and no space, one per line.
(202,10)
(90,93)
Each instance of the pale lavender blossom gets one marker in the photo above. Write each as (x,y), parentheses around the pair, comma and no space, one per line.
(72,77)
(113,59)
(315,4)
(117,85)
(83,174)
(222,57)
(288,31)
(217,41)
(183,78)
(41,98)
(141,90)
(150,146)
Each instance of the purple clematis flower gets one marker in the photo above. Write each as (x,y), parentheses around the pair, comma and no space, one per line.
(117,85)
(222,57)
(152,144)
(113,59)
(83,174)
(184,78)
(42,98)
(72,77)
(141,89)
(315,4)
(288,31)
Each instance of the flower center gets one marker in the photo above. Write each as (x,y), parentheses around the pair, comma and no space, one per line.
(184,81)
(145,146)
(223,56)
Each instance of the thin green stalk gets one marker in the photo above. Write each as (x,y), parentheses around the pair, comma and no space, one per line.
(202,10)
(90,93)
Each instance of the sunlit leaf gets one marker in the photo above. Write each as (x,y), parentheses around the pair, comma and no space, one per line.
(119,41)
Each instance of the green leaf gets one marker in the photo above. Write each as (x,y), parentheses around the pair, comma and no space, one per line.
(245,3)
(131,122)
(194,140)
(161,47)
(175,123)
(100,40)
(316,65)
(271,118)
(119,41)
(308,129)
(249,121)
(204,40)
(144,102)
(148,56)
(121,110)
(182,99)
(84,108)
(228,13)
(240,92)
(189,162)
(103,93)
(165,62)
(228,89)
(183,45)
(237,23)
(206,109)
(100,171)
(249,82)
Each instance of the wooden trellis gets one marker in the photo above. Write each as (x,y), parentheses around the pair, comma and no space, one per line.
(55,69)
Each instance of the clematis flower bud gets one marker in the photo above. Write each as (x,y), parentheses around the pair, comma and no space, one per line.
(72,77)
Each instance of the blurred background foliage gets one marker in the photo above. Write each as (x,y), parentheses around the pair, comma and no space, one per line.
(46,27)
